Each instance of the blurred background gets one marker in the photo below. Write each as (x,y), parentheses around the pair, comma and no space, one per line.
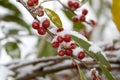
(18,41)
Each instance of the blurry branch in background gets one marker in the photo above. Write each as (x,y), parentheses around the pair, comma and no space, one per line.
(54,64)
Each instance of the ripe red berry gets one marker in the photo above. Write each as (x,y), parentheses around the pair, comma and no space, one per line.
(82,18)
(35,25)
(95,78)
(76,5)
(41,31)
(85,12)
(68,52)
(60,39)
(81,55)
(67,38)
(55,44)
(70,4)
(35,1)
(61,53)
(46,23)
(60,29)
(30,3)
(72,45)
(75,19)
(93,22)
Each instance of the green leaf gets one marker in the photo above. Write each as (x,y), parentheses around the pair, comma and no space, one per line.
(11,7)
(69,14)
(102,59)
(54,17)
(82,75)
(85,45)
(46,49)
(12,49)
(84,1)
(78,26)
(106,71)
(11,18)
(13,32)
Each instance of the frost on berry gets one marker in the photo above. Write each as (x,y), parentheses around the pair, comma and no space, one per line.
(61,53)
(75,19)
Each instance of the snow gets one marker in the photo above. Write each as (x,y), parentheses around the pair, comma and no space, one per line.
(97,74)
(77,50)
(5,72)
(94,48)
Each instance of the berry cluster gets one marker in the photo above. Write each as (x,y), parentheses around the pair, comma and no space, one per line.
(31,3)
(73,5)
(81,18)
(41,27)
(65,44)
(95,74)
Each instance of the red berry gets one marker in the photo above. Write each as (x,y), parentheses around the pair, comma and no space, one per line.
(93,22)
(95,78)
(60,29)
(35,25)
(72,45)
(68,52)
(55,44)
(82,18)
(70,4)
(41,31)
(35,1)
(40,12)
(59,39)
(30,3)
(85,12)
(67,38)
(61,53)
(76,5)
(46,23)
(75,19)
(81,55)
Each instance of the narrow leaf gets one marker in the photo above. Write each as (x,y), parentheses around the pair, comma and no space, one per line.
(12,18)
(85,45)
(12,49)
(116,13)
(54,17)
(11,7)
(106,72)
(82,75)
(102,59)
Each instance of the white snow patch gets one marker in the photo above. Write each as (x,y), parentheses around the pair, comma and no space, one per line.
(94,48)
(5,73)
(77,50)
